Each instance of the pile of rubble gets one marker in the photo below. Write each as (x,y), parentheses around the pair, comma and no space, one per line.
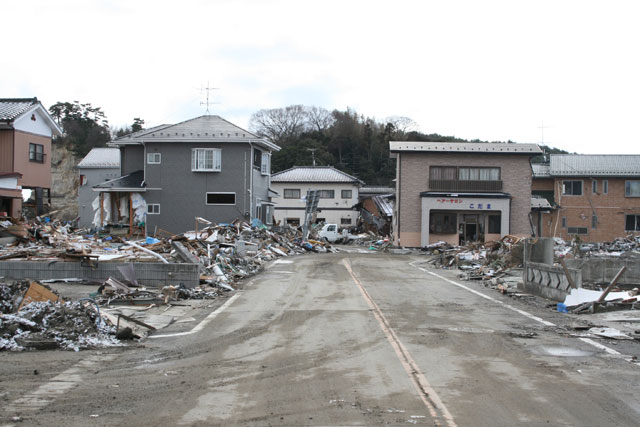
(615,248)
(479,261)
(52,323)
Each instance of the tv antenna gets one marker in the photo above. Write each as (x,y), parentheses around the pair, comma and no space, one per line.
(209,89)
(542,127)
(313,155)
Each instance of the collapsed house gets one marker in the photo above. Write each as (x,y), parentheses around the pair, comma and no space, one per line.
(376,209)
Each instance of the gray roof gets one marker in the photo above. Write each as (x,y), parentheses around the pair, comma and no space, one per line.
(466,147)
(11,108)
(101,158)
(200,129)
(595,165)
(541,170)
(313,174)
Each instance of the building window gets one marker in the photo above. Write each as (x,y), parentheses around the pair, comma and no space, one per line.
(572,188)
(577,230)
(346,194)
(206,160)
(83,180)
(291,193)
(632,223)
(153,158)
(257,158)
(479,174)
(495,224)
(265,166)
(443,173)
(36,153)
(153,209)
(605,186)
(632,189)
(564,222)
(294,222)
(221,198)
(326,194)
(594,186)
(594,221)
(443,223)
(345,221)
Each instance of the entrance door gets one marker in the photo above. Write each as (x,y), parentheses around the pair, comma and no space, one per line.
(470,232)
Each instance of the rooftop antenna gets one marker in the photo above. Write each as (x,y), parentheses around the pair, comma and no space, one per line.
(209,90)
(542,128)
(313,155)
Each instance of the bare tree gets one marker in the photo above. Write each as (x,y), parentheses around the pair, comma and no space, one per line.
(402,125)
(279,125)
(319,119)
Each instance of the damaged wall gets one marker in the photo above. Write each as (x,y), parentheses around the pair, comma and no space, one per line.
(147,273)
(64,186)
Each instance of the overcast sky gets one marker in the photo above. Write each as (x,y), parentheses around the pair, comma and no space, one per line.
(493,70)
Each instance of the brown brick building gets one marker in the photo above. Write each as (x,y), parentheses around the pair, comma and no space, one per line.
(595,197)
(460,192)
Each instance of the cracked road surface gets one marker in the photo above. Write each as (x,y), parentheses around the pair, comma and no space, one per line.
(338,340)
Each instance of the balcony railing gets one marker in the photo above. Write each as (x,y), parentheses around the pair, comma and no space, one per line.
(470,186)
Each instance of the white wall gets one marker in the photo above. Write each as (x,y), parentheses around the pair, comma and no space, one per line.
(332,210)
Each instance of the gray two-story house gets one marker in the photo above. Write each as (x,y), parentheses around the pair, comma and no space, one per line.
(204,168)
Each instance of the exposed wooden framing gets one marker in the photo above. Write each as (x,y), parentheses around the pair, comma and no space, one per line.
(101,209)
(612,284)
(130,217)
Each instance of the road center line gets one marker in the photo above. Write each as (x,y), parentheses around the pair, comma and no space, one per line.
(529,315)
(429,397)
(204,321)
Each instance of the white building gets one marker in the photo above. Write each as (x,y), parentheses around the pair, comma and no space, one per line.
(338,195)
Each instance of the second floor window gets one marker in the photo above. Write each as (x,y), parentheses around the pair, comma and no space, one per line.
(632,189)
(572,188)
(206,160)
(153,158)
(453,173)
(291,193)
(265,164)
(326,194)
(36,153)
(346,194)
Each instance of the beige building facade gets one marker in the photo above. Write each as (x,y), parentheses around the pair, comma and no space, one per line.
(461,192)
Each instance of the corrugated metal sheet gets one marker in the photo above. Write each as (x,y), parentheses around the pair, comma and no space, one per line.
(313,174)
(385,204)
(541,170)
(466,147)
(595,165)
(101,158)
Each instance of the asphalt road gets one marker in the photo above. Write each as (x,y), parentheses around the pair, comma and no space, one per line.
(339,339)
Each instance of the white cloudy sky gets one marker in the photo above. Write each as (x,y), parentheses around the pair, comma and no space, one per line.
(494,70)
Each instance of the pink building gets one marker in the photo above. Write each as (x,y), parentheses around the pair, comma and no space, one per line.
(26,129)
